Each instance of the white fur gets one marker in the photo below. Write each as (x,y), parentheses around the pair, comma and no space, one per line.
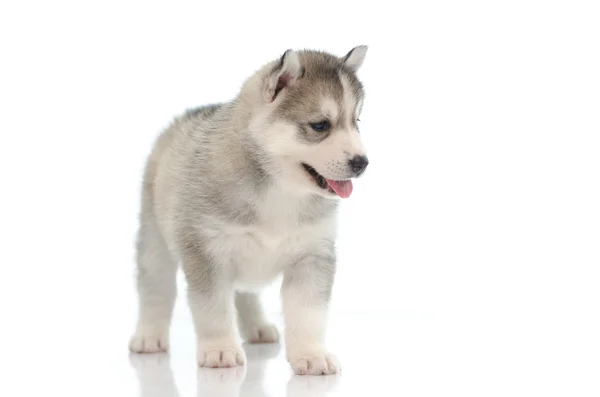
(305,335)
(157,295)
(329,108)
(218,339)
(204,169)
(355,143)
(252,320)
(260,251)
(258,254)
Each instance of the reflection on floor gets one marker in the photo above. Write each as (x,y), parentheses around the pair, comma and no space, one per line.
(156,379)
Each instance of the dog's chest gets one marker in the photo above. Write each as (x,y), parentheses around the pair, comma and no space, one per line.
(257,253)
(258,256)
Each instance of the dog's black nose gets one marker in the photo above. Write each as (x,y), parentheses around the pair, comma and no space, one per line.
(358,164)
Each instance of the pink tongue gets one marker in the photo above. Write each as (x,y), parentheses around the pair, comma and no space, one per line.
(342,188)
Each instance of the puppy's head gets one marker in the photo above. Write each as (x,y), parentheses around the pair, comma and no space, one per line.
(307,119)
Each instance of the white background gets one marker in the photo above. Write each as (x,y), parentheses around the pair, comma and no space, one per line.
(480,210)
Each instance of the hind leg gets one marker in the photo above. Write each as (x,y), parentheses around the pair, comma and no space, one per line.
(252,320)
(156,286)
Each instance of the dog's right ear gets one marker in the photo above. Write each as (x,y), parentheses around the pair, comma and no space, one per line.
(284,75)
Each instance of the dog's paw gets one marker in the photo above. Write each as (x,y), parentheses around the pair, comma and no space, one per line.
(220,355)
(147,341)
(264,333)
(315,364)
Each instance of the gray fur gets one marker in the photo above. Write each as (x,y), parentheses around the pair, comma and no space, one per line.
(219,199)
(320,76)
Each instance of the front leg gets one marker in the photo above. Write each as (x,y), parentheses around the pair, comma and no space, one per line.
(306,291)
(211,300)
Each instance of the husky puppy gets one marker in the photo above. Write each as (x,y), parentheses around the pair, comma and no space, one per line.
(244,191)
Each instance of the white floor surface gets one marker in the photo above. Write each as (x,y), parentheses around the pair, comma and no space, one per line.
(469,253)
(382,354)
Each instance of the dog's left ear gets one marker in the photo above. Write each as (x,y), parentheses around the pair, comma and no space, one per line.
(284,76)
(355,57)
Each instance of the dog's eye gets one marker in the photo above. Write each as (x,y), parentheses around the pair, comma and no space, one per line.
(320,126)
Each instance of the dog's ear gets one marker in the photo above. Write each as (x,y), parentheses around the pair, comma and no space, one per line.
(355,57)
(284,75)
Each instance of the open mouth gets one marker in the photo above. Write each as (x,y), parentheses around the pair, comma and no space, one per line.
(341,188)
